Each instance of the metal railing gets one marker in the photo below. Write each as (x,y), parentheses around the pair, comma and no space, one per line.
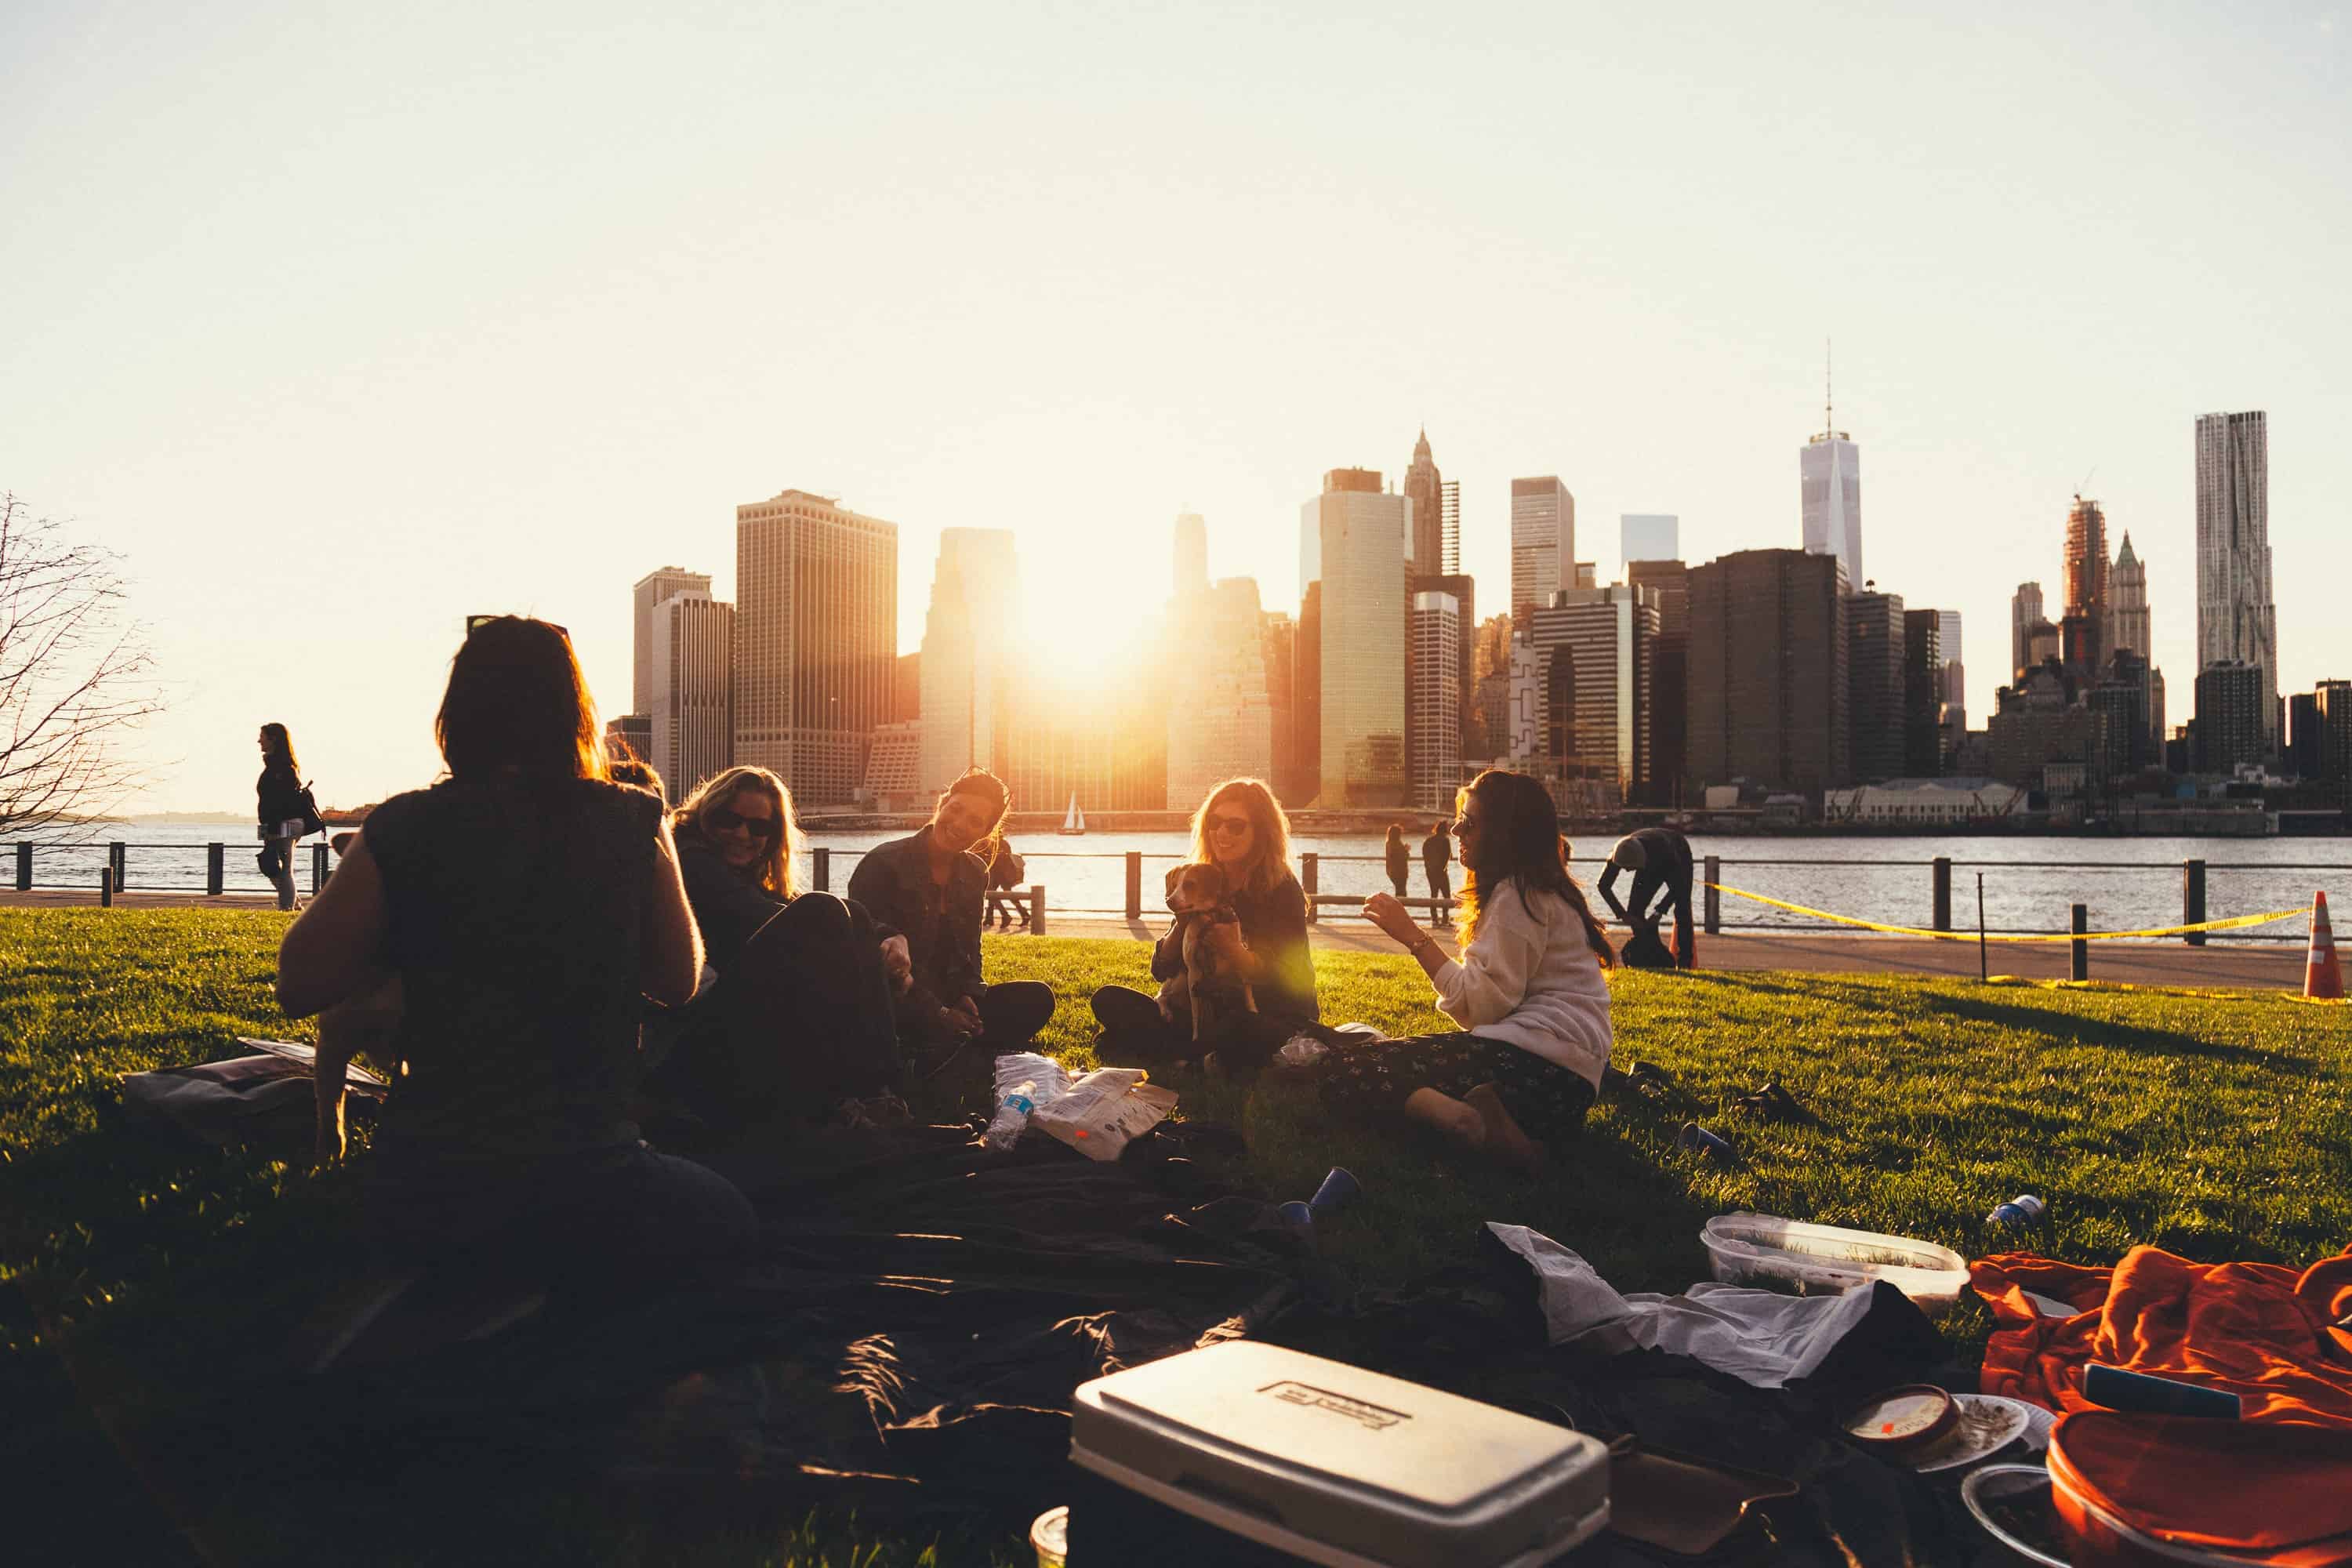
(113,876)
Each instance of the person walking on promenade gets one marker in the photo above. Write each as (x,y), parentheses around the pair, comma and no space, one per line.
(929,886)
(525,904)
(1240,828)
(1660,860)
(1005,873)
(1529,991)
(283,813)
(798,1024)
(1436,859)
(1400,860)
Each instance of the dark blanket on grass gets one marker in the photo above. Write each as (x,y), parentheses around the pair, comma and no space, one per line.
(909,1341)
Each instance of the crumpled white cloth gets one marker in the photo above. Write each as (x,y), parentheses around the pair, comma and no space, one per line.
(1761,1337)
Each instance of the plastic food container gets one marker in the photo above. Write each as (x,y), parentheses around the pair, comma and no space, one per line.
(1248,1452)
(1826,1260)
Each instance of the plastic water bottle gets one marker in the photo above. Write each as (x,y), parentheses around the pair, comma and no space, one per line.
(1004,1129)
(2021,1210)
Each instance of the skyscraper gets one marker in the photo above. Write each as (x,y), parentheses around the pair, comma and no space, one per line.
(1670,684)
(816,640)
(2024,614)
(963,686)
(1450,531)
(1435,741)
(2235,617)
(1952,687)
(1352,545)
(1830,470)
(1604,642)
(2232,696)
(1875,685)
(2127,613)
(1278,649)
(1648,536)
(1768,677)
(1923,701)
(693,709)
(2087,586)
(1220,720)
(1425,489)
(1191,565)
(652,589)
(1543,543)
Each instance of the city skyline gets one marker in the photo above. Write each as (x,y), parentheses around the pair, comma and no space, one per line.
(355,361)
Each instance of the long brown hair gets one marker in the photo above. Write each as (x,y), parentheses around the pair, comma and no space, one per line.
(1520,842)
(776,868)
(277,747)
(517,699)
(1269,833)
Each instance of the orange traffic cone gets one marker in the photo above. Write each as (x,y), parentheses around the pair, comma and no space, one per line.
(2322,980)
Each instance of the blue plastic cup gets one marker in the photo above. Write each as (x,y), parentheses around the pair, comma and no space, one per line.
(1298,1216)
(2020,1211)
(1338,1190)
(1697,1140)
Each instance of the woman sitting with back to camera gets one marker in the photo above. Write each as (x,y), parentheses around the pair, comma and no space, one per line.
(929,886)
(1529,990)
(526,904)
(1242,831)
(798,1024)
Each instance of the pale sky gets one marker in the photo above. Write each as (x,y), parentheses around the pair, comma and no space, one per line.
(342,320)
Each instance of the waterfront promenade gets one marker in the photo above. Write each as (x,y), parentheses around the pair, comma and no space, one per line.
(2258,966)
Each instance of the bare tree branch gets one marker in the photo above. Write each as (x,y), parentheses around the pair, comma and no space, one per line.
(76,675)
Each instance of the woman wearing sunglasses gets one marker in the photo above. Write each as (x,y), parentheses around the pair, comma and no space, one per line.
(1528,991)
(930,885)
(1242,831)
(798,1024)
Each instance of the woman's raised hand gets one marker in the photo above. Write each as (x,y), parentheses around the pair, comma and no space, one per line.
(1383,911)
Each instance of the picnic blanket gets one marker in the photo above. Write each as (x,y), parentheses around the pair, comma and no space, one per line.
(2278,1338)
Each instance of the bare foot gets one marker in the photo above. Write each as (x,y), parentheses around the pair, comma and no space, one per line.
(1504,1139)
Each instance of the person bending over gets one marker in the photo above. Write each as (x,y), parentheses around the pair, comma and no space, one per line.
(797,1024)
(1660,860)
(524,904)
(929,886)
(1529,991)
(1241,830)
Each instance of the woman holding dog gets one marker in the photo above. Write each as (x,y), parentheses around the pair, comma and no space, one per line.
(930,885)
(799,1023)
(1529,991)
(1241,830)
(526,904)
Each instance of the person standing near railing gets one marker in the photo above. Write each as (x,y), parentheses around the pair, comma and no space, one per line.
(1436,860)
(1399,861)
(283,819)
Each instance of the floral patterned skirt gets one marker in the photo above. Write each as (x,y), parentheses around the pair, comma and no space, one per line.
(1374,1080)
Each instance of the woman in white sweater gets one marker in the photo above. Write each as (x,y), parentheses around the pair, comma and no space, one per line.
(1529,990)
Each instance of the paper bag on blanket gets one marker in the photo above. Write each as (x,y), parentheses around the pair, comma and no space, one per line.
(1105,1110)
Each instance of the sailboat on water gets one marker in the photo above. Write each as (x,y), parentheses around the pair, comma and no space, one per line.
(1076,820)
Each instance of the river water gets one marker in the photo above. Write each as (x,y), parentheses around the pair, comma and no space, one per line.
(2029,883)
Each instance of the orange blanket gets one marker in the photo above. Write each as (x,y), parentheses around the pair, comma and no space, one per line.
(2279,1340)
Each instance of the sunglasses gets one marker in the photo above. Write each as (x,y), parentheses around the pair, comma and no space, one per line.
(725,819)
(475,622)
(1229,825)
(1460,825)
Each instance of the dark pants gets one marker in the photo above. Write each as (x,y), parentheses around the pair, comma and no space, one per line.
(1133,1032)
(797,1024)
(1003,904)
(1440,887)
(614,1214)
(1372,1079)
(1673,883)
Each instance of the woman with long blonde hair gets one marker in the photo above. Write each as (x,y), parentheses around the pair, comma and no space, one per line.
(1241,830)
(797,1022)
(1529,990)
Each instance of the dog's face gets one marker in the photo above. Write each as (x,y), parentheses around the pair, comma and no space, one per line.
(1195,888)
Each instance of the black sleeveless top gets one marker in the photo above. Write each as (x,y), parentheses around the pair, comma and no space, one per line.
(515,910)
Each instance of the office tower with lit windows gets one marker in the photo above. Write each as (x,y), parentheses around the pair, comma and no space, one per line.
(1352,542)
(1450,526)
(816,641)
(2236,618)
(1543,543)
(974,583)
(693,727)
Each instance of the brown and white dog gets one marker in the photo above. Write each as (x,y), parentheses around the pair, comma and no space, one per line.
(1198,899)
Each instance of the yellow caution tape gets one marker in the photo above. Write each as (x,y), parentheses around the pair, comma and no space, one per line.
(2233,923)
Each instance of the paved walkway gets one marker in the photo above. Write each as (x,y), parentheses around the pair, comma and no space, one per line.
(2263,966)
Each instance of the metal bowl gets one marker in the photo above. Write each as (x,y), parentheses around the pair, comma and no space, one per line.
(1996,1485)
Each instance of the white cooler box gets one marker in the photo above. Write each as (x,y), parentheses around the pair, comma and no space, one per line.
(1248,1452)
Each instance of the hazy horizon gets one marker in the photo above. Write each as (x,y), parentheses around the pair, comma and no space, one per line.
(342,323)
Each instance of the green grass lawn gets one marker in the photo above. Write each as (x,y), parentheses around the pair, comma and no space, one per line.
(2217,1126)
